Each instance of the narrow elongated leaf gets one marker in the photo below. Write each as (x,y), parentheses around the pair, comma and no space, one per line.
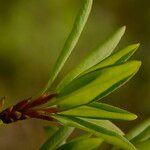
(106,124)
(99,130)
(50,129)
(102,123)
(99,111)
(139,136)
(140,133)
(117,58)
(101,52)
(143,136)
(57,139)
(105,81)
(81,137)
(72,40)
(82,144)
(143,145)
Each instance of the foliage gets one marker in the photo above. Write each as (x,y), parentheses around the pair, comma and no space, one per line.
(75,101)
(140,135)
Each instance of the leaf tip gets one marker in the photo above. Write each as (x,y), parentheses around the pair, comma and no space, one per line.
(123,28)
(138,45)
(138,64)
(134,116)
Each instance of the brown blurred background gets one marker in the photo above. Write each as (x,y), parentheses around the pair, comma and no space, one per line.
(32,34)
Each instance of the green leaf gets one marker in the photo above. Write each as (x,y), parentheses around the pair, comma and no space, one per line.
(102,123)
(143,145)
(82,144)
(117,58)
(71,41)
(50,129)
(95,85)
(101,52)
(57,139)
(140,133)
(82,136)
(99,111)
(106,124)
(99,129)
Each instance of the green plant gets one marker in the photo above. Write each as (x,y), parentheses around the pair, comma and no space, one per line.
(140,135)
(74,104)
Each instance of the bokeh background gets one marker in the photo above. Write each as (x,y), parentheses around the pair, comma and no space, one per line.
(32,34)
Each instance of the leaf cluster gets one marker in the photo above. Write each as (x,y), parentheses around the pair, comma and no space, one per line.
(99,74)
(78,94)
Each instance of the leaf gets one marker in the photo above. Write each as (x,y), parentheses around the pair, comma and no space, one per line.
(82,136)
(82,144)
(71,41)
(140,133)
(99,111)
(50,129)
(100,130)
(117,58)
(143,145)
(139,136)
(106,124)
(101,52)
(103,123)
(96,85)
(57,139)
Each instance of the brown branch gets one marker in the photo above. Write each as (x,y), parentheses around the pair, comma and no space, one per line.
(26,110)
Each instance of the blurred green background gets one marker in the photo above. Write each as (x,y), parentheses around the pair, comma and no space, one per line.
(32,34)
